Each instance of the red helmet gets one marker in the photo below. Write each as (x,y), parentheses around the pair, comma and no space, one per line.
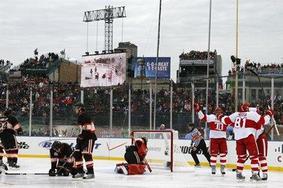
(245,107)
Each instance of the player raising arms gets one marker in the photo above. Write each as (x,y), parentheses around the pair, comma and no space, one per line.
(217,135)
(245,125)
(85,144)
(261,140)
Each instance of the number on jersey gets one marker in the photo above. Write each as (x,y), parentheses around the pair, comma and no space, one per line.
(219,126)
(240,122)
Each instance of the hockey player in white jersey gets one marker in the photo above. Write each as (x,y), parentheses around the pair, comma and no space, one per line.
(245,124)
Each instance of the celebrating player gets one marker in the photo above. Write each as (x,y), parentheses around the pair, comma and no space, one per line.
(62,161)
(245,125)
(135,157)
(197,144)
(217,135)
(261,140)
(9,128)
(85,144)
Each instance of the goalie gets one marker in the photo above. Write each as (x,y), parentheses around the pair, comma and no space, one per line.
(135,157)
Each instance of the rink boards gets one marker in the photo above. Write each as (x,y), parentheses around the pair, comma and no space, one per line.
(114,149)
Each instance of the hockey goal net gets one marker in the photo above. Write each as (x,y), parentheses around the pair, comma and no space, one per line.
(161,144)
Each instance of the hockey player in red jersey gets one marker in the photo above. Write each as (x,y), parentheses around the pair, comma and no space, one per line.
(245,124)
(135,157)
(261,140)
(217,135)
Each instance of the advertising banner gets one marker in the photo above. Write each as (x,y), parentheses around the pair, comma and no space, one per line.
(114,148)
(145,67)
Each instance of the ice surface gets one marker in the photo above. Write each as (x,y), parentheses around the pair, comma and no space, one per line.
(105,177)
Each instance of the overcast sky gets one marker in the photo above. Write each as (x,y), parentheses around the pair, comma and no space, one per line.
(53,25)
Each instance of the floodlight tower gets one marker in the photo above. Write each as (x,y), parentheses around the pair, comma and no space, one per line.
(108,15)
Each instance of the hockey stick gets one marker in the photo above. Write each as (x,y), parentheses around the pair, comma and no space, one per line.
(64,164)
(148,166)
(25,173)
(274,124)
(272,118)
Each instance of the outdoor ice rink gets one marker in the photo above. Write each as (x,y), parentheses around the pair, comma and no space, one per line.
(106,178)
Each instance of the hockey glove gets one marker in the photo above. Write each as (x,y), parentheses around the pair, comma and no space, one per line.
(52,172)
(269,112)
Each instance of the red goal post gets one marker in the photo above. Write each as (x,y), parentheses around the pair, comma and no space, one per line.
(157,141)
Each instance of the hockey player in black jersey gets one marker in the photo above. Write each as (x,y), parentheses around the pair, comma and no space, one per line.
(85,144)
(9,128)
(62,161)
(3,167)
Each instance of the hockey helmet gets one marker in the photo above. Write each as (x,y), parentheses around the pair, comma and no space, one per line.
(162,126)
(79,106)
(218,110)
(56,145)
(8,112)
(245,107)
(191,126)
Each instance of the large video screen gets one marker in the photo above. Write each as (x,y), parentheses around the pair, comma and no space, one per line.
(147,68)
(103,70)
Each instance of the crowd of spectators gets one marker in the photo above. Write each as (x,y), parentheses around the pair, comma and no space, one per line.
(41,62)
(97,100)
(4,65)
(197,55)
(265,69)
(271,68)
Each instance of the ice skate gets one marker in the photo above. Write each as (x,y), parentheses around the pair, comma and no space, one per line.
(89,176)
(255,177)
(3,167)
(213,170)
(78,175)
(264,176)
(222,169)
(240,176)
(13,165)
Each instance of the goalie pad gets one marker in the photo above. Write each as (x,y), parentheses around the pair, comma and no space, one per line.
(136,169)
(130,169)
